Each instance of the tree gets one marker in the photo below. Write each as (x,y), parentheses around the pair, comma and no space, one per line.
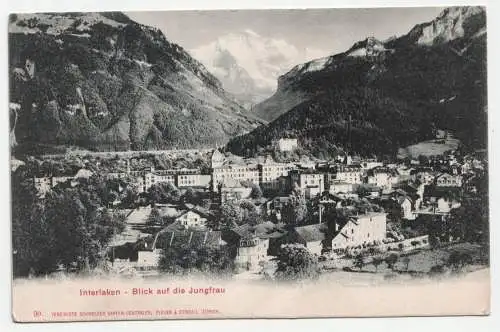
(458,260)
(187,259)
(359,261)
(295,262)
(164,193)
(67,227)
(295,211)
(230,215)
(436,270)
(406,261)
(190,196)
(391,260)
(376,262)
(250,214)
(256,191)
(154,217)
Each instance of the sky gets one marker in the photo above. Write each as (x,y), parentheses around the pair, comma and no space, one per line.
(329,30)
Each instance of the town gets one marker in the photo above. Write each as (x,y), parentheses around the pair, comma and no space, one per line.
(213,211)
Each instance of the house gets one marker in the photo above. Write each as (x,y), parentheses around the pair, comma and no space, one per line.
(406,204)
(446,204)
(360,229)
(448,180)
(311,236)
(275,204)
(424,175)
(192,238)
(249,245)
(371,163)
(191,219)
(46,183)
(311,183)
(287,144)
(42,185)
(327,198)
(150,252)
(340,187)
(383,177)
(441,200)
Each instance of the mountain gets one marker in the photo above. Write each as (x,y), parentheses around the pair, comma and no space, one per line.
(249,64)
(396,92)
(104,82)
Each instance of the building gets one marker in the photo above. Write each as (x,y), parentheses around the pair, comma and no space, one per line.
(448,180)
(424,175)
(191,219)
(217,159)
(270,173)
(249,245)
(311,183)
(287,144)
(407,210)
(340,187)
(371,163)
(274,206)
(241,173)
(348,173)
(382,177)
(360,229)
(183,177)
(232,190)
(42,184)
(194,180)
(150,252)
(46,183)
(311,236)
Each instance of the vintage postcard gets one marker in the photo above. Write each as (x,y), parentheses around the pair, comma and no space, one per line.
(249,164)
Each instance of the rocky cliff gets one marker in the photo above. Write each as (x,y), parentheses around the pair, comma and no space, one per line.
(102,81)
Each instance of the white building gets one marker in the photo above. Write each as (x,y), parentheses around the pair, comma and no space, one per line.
(310,183)
(351,174)
(193,180)
(270,173)
(340,187)
(241,173)
(361,229)
(191,219)
(217,159)
(448,180)
(287,144)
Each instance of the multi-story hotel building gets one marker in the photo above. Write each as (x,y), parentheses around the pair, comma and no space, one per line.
(270,173)
(242,173)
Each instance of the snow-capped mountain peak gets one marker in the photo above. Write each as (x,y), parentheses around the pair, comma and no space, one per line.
(249,64)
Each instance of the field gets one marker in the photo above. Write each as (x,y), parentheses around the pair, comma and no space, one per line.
(429,148)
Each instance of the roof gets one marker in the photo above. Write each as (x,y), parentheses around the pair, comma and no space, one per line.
(192,238)
(206,213)
(312,233)
(447,175)
(264,230)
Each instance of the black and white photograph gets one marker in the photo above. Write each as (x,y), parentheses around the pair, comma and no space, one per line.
(249,163)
